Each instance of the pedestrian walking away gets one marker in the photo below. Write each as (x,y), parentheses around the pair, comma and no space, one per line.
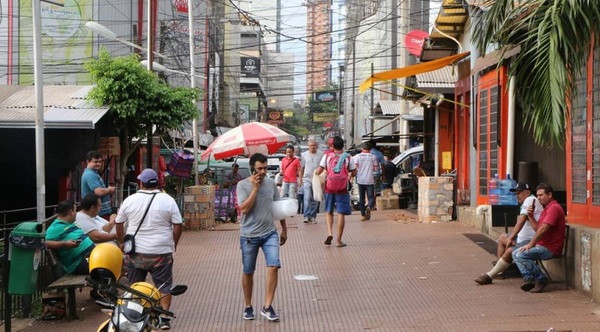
(340,168)
(521,234)
(309,163)
(547,242)
(256,195)
(154,220)
(366,166)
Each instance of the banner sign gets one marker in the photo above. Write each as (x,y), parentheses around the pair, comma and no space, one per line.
(275,117)
(250,67)
(109,146)
(324,117)
(324,96)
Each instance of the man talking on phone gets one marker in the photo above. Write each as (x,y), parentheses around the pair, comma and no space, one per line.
(72,246)
(256,195)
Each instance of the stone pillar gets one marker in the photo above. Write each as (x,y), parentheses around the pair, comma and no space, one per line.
(435,199)
(198,207)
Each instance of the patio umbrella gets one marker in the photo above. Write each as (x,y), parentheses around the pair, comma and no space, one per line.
(249,138)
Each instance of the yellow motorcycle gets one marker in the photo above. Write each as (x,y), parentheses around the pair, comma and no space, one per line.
(134,308)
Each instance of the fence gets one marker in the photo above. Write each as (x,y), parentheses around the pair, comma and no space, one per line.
(12,305)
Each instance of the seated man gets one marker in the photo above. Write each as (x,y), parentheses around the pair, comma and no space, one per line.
(547,242)
(70,243)
(97,228)
(521,234)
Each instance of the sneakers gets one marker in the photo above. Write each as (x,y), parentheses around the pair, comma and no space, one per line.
(312,220)
(539,286)
(368,214)
(527,286)
(306,221)
(484,279)
(269,314)
(249,313)
(363,218)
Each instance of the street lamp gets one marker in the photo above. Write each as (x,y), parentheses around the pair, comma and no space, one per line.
(158,67)
(108,34)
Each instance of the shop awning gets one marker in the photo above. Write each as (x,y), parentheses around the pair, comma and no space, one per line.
(65,107)
(390,107)
(411,70)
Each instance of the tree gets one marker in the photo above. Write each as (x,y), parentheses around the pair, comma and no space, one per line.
(555,37)
(137,99)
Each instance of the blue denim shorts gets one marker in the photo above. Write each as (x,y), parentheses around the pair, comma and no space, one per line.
(341,203)
(270,247)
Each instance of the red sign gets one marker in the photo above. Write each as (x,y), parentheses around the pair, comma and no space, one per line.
(414,41)
(327,125)
(181,6)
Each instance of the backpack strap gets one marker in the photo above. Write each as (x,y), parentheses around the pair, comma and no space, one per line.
(340,162)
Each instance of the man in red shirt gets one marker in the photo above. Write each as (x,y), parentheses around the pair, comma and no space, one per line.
(547,242)
(290,169)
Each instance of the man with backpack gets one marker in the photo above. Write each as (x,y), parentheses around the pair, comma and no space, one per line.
(339,167)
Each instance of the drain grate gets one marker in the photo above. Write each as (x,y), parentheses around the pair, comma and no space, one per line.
(483,241)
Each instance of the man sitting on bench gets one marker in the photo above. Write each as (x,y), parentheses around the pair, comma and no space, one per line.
(521,234)
(68,241)
(547,242)
(97,228)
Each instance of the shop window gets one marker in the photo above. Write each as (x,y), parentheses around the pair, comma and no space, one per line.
(596,129)
(579,142)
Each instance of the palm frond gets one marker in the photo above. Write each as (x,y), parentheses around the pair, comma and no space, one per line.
(555,37)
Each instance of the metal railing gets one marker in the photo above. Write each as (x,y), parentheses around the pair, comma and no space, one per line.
(20,305)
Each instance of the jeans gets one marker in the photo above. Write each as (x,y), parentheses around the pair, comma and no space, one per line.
(368,188)
(289,189)
(526,262)
(250,245)
(311,207)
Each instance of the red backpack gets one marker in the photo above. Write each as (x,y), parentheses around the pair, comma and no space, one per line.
(337,177)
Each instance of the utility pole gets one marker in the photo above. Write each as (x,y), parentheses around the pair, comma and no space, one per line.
(150,52)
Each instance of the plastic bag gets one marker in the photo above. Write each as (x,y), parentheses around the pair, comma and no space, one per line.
(278,179)
(318,182)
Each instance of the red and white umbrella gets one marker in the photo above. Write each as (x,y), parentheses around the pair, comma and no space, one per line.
(249,138)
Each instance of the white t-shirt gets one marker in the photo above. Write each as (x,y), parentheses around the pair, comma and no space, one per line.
(527,231)
(156,232)
(88,224)
(310,162)
(365,164)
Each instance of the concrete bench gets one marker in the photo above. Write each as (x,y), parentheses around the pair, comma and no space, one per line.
(70,282)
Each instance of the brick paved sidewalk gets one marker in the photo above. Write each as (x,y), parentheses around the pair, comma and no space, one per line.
(394,275)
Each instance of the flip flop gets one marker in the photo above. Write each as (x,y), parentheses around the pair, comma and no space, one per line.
(328,240)
(341,244)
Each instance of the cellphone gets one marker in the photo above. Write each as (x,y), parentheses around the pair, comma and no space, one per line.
(252,171)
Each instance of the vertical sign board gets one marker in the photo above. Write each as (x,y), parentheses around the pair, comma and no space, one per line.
(109,146)
(250,66)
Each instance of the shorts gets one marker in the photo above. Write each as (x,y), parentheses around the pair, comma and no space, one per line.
(160,268)
(270,247)
(341,203)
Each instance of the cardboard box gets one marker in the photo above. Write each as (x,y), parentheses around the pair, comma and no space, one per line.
(388,202)
(53,306)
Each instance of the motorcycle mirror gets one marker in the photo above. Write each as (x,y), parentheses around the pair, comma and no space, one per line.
(178,289)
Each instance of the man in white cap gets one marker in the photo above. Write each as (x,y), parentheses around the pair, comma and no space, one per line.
(521,234)
(154,218)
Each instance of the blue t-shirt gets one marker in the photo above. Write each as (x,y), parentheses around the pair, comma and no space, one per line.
(379,156)
(70,258)
(91,180)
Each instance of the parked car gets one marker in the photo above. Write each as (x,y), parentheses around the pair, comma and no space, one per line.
(401,177)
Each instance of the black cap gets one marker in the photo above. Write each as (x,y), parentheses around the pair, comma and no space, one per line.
(521,186)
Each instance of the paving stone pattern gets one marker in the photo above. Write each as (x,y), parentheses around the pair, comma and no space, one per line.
(395,275)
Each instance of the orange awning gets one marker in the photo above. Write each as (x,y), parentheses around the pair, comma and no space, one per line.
(411,70)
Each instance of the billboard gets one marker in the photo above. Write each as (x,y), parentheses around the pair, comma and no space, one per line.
(324,96)
(324,117)
(250,66)
(275,117)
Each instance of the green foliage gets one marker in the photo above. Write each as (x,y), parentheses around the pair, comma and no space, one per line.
(299,124)
(137,97)
(555,38)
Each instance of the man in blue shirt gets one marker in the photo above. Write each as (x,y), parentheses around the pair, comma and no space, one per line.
(92,183)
